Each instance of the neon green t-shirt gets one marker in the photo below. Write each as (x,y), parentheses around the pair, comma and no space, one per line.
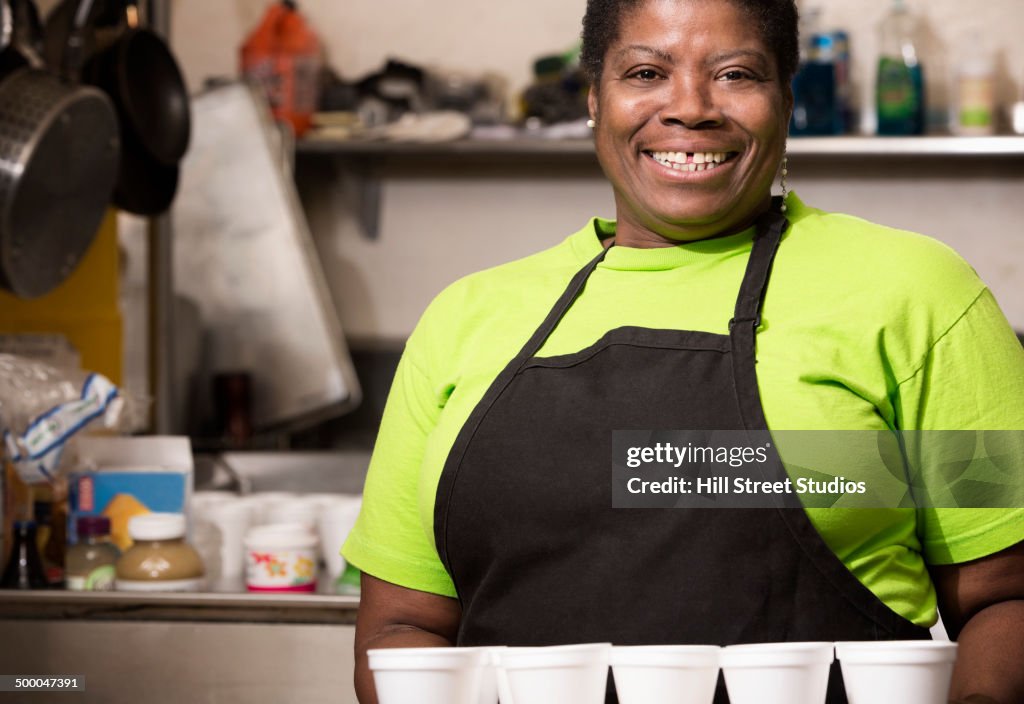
(863,327)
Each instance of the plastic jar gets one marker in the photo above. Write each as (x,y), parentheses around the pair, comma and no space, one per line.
(280,558)
(89,565)
(159,560)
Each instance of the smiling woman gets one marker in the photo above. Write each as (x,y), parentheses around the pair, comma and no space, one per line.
(706,305)
(668,92)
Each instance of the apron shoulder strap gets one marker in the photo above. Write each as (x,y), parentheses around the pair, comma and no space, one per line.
(562,305)
(770,227)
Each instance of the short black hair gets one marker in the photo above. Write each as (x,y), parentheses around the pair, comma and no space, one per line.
(777,20)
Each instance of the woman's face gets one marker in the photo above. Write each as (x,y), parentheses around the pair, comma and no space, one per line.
(691,121)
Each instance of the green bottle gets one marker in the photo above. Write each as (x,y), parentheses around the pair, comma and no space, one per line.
(899,90)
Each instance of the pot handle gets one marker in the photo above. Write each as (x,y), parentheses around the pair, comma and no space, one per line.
(6,25)
(74,51)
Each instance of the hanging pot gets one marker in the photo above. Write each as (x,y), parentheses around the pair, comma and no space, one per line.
(139,72)
(59,153)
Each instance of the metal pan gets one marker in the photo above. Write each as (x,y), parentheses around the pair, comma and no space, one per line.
(140,74)
(59,152)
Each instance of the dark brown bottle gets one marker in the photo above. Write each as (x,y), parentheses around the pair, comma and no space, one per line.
(25,567)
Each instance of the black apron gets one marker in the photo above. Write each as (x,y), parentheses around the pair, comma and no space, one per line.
(524,522)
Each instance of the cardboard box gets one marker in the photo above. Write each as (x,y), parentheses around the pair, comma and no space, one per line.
(124,477)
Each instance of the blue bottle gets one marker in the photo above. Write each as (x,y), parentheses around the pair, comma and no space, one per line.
(817,110)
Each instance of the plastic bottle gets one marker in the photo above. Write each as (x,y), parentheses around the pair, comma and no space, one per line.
(974,111)
(24,568)
(816,108)
(90,562)
(283,57)
(899,90)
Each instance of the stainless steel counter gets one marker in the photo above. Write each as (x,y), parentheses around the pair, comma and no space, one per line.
(166,648)
(179,606)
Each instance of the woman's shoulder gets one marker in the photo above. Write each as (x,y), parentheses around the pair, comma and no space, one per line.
(500,300)
(854,249)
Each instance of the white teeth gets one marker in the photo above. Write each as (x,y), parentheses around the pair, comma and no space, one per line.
(710,166)
(674,159)
(700,167)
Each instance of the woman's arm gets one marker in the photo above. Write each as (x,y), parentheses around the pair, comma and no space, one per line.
(391,616)
(982,607)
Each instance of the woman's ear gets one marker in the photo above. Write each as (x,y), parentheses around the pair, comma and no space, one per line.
(592,103)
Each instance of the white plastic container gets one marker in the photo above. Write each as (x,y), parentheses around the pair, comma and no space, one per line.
(427,675)
(293,510)
(777,673)
(280,558)
(555,674)
(665,674)
(897,672)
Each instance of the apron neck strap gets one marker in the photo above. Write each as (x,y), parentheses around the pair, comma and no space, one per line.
(563,304)
(770,226)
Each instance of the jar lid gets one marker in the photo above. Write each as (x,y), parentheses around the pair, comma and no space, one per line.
(157,526)
(93,525)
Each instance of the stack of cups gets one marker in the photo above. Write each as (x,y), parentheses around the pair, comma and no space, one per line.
(335,519)
(777,673)
(897,672)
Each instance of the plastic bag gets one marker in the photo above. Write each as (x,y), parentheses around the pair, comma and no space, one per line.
(42,407)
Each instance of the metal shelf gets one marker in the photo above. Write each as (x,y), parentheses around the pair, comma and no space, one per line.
(363,157)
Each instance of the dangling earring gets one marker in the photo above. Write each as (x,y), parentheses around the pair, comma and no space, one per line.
(783,173)
(591,124)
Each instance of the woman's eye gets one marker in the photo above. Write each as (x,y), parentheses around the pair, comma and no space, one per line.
(645,74)
(736,74)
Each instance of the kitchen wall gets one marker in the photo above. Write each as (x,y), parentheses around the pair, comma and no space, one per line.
(440,221)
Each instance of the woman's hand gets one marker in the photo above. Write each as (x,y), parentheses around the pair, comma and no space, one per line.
(982,607)
(391,616)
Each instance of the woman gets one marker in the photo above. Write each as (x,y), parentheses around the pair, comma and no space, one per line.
(487,516)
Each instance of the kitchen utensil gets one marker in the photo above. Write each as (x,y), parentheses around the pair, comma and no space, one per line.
(663,674)
(59,151)
(144,185)
(777,673)
(139,72)
(428,675)
(897,672)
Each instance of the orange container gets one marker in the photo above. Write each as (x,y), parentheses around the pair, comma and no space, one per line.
(283,56)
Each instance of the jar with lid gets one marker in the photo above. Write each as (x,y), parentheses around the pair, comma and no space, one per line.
(89,565)
(159,558)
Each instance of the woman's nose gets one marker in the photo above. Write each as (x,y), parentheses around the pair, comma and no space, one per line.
(690,104)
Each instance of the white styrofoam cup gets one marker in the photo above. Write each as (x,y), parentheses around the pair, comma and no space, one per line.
(896,672)
(664,674)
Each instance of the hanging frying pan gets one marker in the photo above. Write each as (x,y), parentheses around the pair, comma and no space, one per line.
(59,152)
(140,74)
